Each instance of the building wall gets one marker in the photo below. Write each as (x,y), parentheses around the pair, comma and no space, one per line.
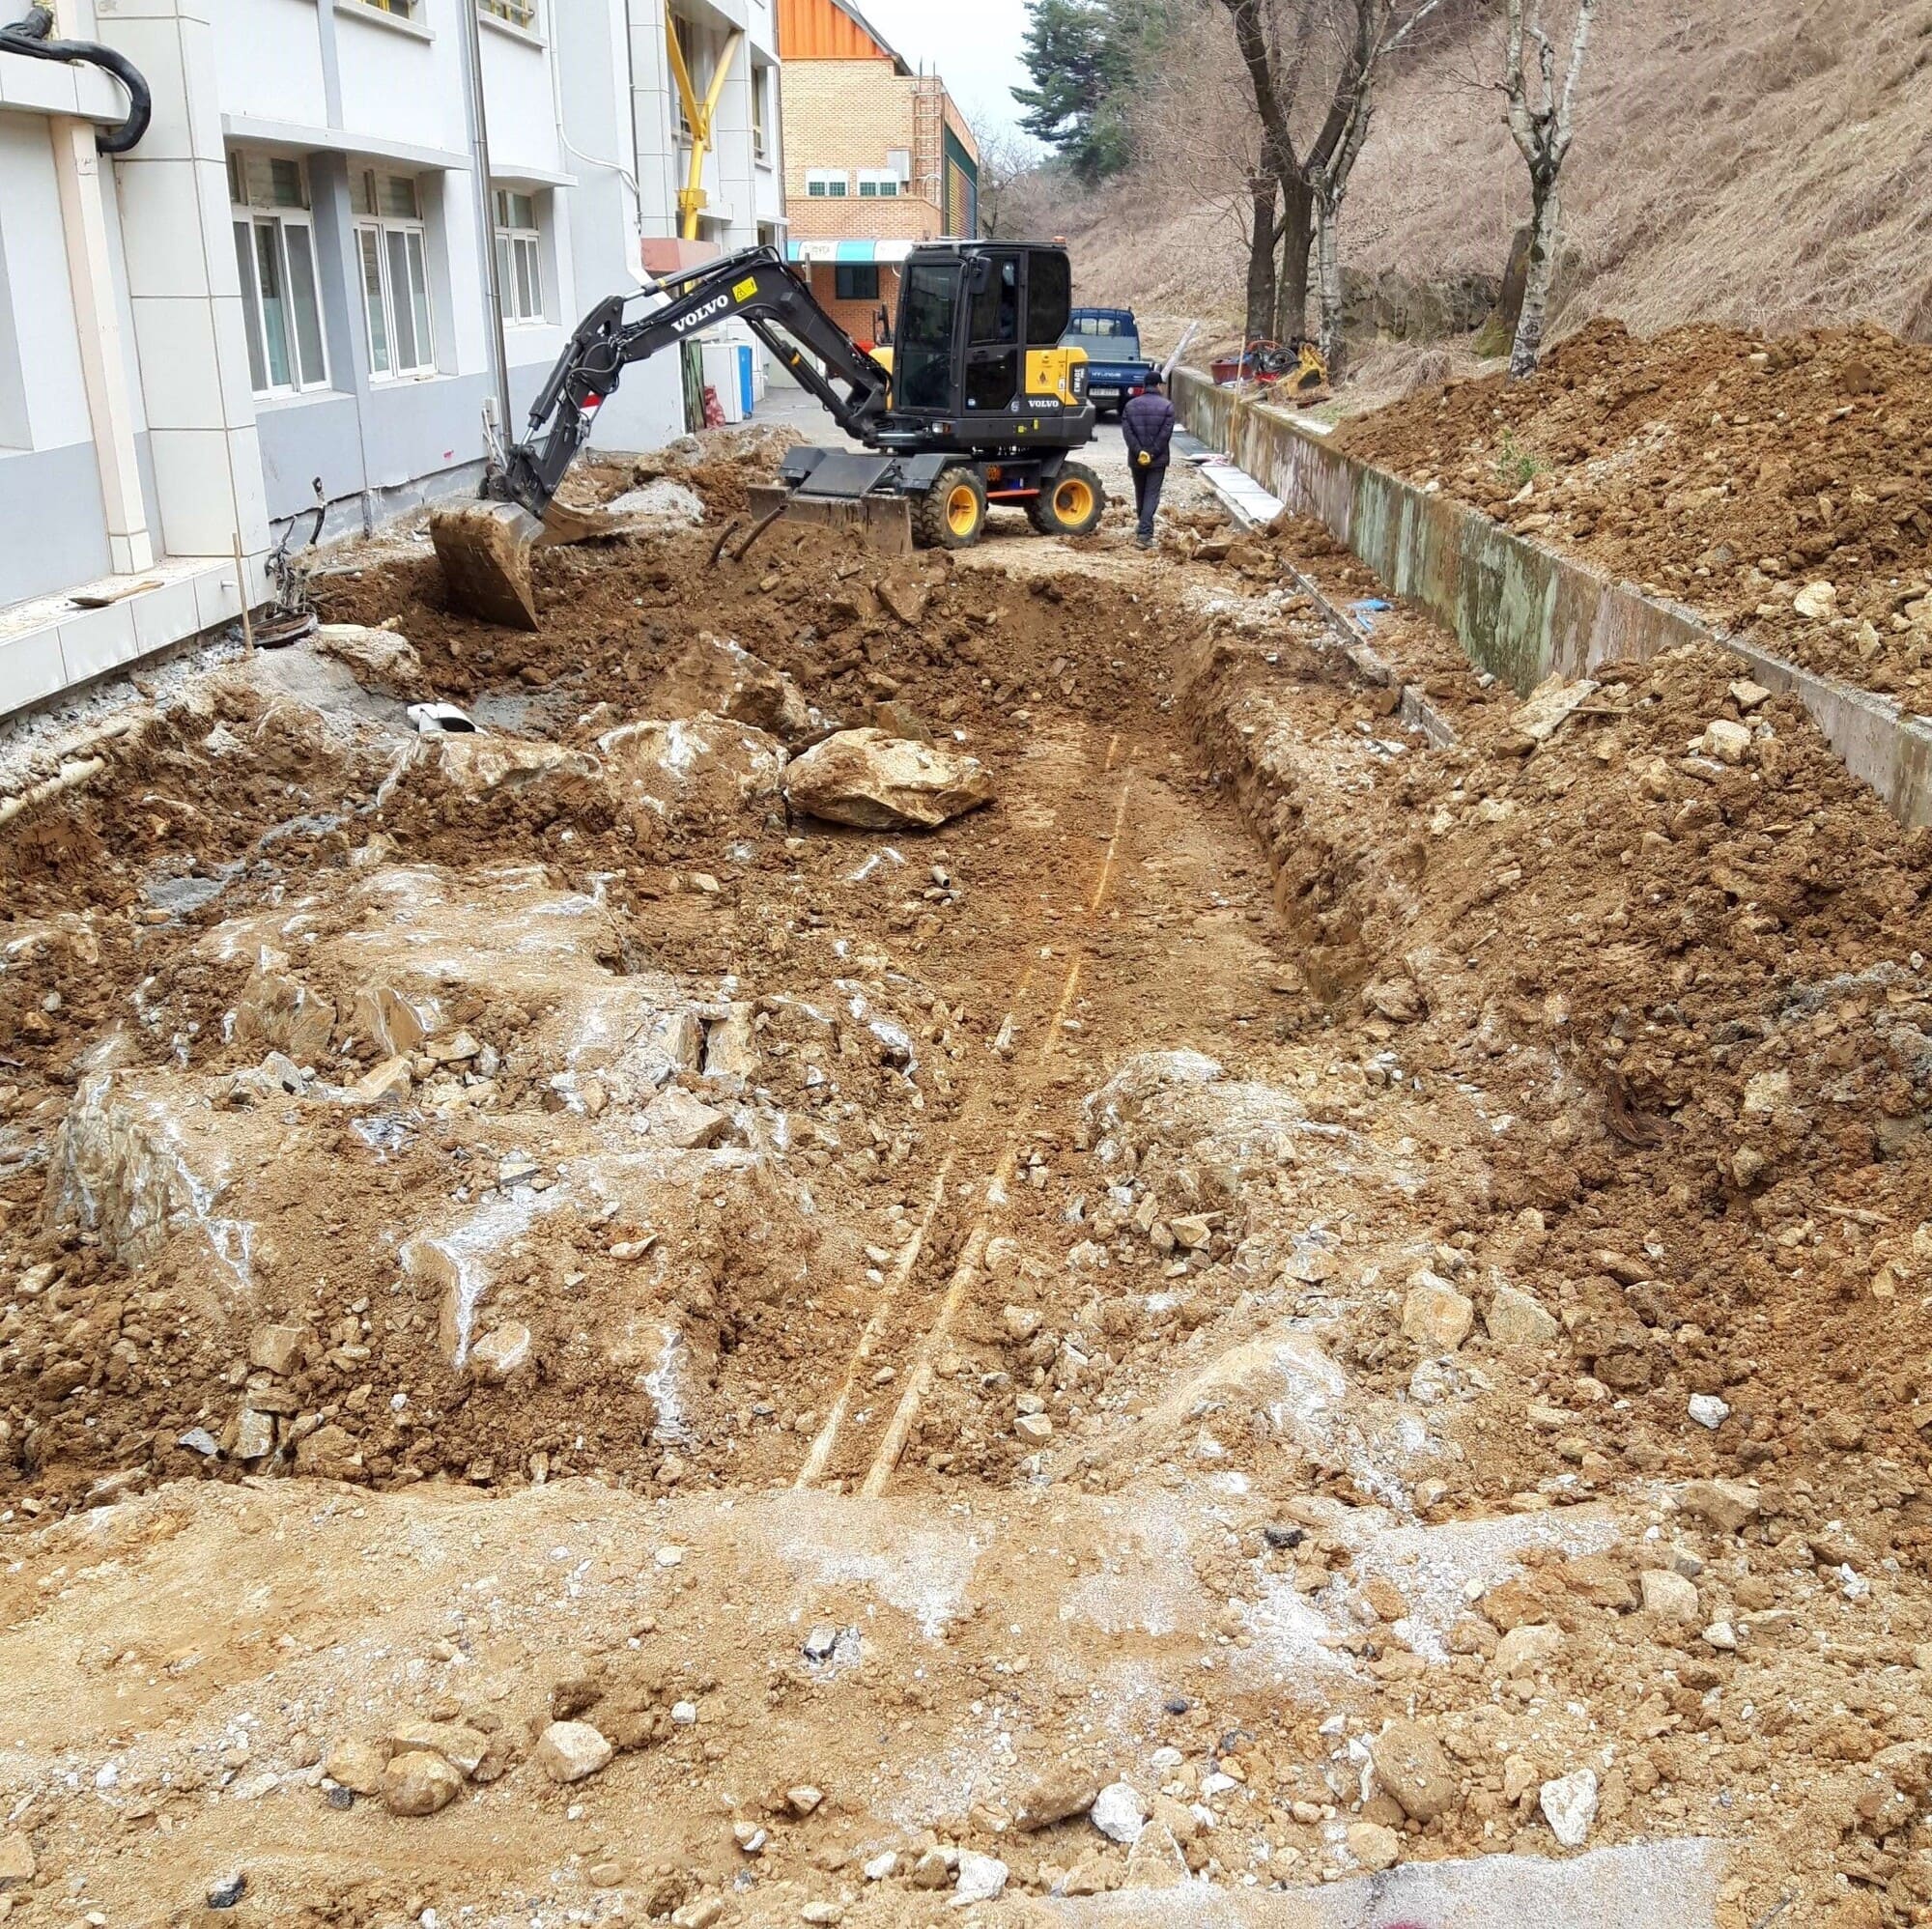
(134,433)
(858,317)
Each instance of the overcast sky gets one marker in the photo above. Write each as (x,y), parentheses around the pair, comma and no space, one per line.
(973,44)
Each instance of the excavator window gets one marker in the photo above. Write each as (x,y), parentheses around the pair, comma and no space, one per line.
(993,351)
(927,310)
(1049,297)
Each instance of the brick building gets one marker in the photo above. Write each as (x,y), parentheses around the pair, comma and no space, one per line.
(876,158)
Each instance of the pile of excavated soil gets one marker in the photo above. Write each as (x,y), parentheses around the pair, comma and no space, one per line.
(1365,1299)
(1780,488)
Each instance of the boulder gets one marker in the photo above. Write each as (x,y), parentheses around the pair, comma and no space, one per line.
(674,1118)
(1515,1320)
(419,1782)
(1670,1597)
(692,770)
(1434,1315)
(379,659)
(719,676)
(482,765)
(1064,1790)
(571,1750)
(279,1010)
(358,1766)
(1411,1766)
(876,782)
(501,1352)
(1724,1504)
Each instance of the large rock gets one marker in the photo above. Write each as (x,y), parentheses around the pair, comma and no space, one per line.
(1515,1320)
(719,675)
(1724,1504)
(1670,1595)
(279,1010)
(1411,1765)
(1434,1315)
(878,782)
(692,769)
(1066,1789)
(571,1750)
(478,766)
(379,659)
(1569,1805)
(419,1782)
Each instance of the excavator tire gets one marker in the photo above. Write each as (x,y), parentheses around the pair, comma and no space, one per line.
(1072,504)
(951,515)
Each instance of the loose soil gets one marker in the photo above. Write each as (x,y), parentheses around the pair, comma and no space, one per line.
(1197,1275)
(1728,471)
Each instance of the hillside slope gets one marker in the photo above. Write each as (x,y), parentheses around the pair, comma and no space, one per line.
(1770,166)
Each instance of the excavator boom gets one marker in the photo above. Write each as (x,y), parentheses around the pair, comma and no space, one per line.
(485,548)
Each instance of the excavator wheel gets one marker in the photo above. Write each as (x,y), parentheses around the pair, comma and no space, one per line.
(951,515)
(1070,504)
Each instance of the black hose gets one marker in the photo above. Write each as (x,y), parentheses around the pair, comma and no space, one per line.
(31,36)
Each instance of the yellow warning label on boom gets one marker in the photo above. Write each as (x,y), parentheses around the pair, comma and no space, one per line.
(746,289)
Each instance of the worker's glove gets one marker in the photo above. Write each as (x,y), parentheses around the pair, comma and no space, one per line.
(1145,458)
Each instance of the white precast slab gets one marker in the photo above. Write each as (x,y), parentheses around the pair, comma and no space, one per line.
(1645,1885)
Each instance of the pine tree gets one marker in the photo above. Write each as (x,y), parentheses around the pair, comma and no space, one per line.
(1080,53)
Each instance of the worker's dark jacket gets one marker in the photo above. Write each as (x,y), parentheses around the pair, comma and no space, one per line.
(1147,423)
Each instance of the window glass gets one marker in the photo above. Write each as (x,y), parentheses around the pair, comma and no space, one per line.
(399,198)
(303,304)
(419,298)
(274,322)
(401,313)
(924,358)
(1049,296)
(996,307)
(245,262)
(855,282)
(370,245)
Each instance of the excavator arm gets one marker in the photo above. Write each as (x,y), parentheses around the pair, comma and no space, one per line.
(753,285)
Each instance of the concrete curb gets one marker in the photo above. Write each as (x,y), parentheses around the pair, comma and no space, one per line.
(1522,612)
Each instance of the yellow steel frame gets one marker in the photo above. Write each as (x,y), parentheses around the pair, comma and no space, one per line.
(700,115)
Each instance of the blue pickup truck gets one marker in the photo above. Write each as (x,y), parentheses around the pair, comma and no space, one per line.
(1116,369)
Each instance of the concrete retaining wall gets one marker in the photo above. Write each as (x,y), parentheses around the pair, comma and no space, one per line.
(1522,612)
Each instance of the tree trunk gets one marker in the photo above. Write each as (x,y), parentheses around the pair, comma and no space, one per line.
(1328,264)
(1545,218)
(1297,236)
(1261,259)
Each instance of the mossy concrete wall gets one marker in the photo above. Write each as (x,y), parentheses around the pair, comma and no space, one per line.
(1522,612)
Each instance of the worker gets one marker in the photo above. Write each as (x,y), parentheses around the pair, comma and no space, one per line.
(1146,423)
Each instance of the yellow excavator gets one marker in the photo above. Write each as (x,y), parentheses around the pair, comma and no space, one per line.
(976,404)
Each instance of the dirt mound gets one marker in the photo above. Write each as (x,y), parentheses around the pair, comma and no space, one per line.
(1782,489)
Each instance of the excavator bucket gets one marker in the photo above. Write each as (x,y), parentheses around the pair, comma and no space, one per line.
(485,548)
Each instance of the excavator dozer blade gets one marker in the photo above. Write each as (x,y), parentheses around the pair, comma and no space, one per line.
(484,549)
(884,520)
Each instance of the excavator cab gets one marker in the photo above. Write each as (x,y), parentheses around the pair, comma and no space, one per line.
(974,403)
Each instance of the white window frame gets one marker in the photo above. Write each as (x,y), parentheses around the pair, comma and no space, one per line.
(828,183)
(761,112)
(519,277)
(279,236)
(382,242)
(879,184)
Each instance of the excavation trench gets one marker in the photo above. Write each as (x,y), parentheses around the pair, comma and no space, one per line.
(1152,1281)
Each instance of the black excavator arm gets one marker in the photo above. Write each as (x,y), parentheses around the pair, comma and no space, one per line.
(754,285)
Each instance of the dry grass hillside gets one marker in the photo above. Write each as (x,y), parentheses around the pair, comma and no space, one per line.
(1761,164)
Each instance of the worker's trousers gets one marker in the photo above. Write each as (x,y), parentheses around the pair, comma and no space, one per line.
(1148,484)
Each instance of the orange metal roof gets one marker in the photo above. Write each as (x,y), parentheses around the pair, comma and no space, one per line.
(830,30)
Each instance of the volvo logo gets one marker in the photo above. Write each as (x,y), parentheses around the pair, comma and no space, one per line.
(717,306)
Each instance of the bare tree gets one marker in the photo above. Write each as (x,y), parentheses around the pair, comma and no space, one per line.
(1007,164)
(1378,29)
(1542,118)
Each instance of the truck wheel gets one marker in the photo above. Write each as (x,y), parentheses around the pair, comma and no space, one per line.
(951,515)
(1070,504)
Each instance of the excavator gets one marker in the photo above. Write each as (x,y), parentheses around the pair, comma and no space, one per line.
(974,403)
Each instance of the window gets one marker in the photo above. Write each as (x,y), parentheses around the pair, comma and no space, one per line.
(392,252)
(877,183)
(518,12)
(274,257)
(761,112)
(1049,297)
(403,9)
(519,256)
(827,183)
(854,282)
